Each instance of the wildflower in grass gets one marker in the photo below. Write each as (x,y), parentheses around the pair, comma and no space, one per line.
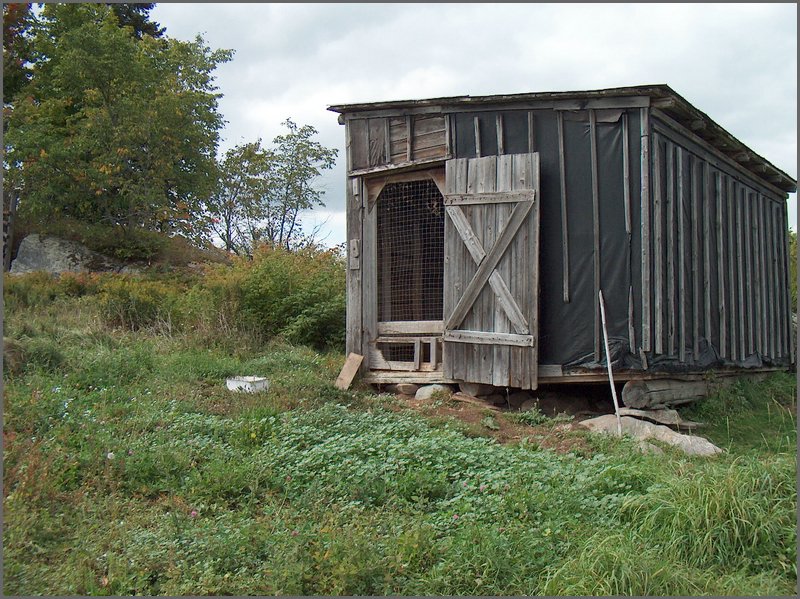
(455,516)
(252,435)
(482,488)
(295,533)
(193,514)
(110,455)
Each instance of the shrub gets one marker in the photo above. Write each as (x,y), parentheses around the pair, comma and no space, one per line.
(136,304)
(296,295)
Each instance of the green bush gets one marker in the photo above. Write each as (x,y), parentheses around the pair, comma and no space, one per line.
(297,295)
(136,304)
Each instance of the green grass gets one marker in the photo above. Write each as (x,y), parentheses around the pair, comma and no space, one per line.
(130,469)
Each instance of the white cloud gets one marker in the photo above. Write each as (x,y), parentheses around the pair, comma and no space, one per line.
(736,62)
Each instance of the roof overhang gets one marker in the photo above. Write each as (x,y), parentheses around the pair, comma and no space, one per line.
(660,96)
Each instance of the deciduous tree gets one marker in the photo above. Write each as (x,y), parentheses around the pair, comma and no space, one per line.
(113,128)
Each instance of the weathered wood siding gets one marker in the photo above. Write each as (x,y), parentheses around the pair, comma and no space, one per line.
(720,282)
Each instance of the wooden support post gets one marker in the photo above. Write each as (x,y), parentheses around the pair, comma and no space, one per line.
(596,227)
(410,138)
(758,271)
(748,267)
(354,272)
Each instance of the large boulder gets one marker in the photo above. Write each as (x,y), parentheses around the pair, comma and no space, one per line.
(55,255)
(639,429)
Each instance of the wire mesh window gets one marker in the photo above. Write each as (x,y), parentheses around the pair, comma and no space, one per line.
(410,251)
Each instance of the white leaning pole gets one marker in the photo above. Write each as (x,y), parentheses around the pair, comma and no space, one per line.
(608,363)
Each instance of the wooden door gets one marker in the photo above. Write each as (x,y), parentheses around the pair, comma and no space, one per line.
(491,270)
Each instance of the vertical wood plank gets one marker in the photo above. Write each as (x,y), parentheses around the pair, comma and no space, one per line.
(696,256)
(502,354)
(644,203)
(525,176)
(449,135)
(671,230)
(348,136)
(353,275)
(631,330)
(409,138)
(741,282)
(723,333)
(706,201)
(773,304)
(762,249)
(747,225)
(369,273)
(562,167)
(681,292)
(596,232)
(779,280)
(452,270)
(658,248)
(533,272)
(531,132)
(757,271)
(730,202)
(787,294)
(499,126)
(626,172)
(477,124)
(485,221)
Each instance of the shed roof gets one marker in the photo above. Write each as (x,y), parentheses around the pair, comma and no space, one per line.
(661,96)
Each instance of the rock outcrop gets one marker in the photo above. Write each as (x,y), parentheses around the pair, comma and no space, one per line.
(56,255)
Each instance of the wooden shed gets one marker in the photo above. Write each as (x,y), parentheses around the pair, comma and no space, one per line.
(482,229)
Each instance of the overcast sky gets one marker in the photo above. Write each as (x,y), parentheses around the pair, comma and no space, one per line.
(736,62)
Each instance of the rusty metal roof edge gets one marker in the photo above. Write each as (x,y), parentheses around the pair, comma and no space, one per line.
(656,91)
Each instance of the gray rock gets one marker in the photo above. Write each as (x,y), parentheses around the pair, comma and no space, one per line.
(639,429)
(55,255)
(476,389)
(407,388)
(428,391)
(664,416)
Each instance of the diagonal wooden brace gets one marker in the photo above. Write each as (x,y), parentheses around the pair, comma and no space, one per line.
(486,267)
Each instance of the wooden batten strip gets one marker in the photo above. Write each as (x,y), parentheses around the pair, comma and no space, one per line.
(723,330)
(596,231)
(740,272)
(644,204)
(787,295)
(779,279)
(757,271)
(747,225)
(732,318)
(631,331)
(353,273)
(411,327)
(671,230)
(695,256)
(409,138)
(762,249)
(773,304)
(477,125)
(531,132)
(491,197)
(562,168)
(658,266)
(626,173)
(681,291)
(449,134)
(483,337)
(706,200)
(500,142)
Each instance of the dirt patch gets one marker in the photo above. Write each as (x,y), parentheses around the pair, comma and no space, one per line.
(484,422)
